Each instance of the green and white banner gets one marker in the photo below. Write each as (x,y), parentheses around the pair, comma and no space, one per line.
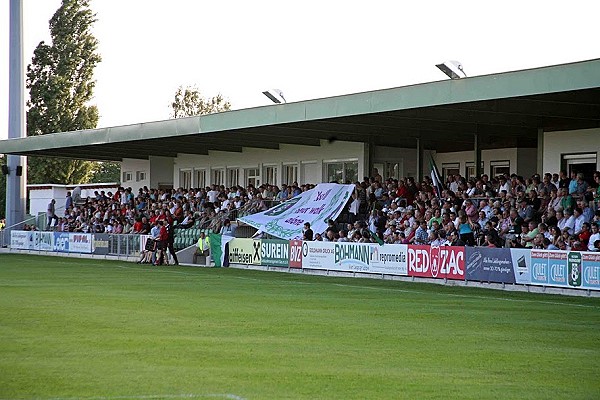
(315,206)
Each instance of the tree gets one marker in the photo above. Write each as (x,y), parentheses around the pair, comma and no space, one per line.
(189,102)
(105,172)
(60,83)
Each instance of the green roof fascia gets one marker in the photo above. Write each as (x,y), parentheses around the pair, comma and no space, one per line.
(550,79)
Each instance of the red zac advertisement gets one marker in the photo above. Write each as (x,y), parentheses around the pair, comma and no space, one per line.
(295,253)
(436,262)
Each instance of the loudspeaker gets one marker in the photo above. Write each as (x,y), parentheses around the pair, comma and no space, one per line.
(19,170)
(5,170)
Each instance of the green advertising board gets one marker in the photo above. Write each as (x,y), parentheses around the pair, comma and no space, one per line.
(275,252)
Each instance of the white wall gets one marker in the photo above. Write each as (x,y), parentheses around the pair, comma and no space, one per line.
(462,157)
(313,157)
(569,142)
(407,158)
(161,171)
(135,166)
(40,195)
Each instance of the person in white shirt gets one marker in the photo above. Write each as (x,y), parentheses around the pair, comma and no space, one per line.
(594,238)
(212,194)
(567,223)
(579,220)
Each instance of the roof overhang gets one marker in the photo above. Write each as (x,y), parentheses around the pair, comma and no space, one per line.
(504,110)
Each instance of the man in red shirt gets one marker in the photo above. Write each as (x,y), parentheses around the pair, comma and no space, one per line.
(161,244)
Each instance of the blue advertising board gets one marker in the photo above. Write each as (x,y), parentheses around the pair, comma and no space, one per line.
(591,271)
(489,265)
(61,242)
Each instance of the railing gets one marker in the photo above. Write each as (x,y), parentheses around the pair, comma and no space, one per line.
(5,233)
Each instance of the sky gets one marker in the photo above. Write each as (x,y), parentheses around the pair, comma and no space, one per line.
(308,49)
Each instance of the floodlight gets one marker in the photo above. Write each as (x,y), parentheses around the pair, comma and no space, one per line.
(453,69)
(275,95)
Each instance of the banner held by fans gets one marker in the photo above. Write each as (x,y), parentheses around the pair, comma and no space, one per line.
(315,206)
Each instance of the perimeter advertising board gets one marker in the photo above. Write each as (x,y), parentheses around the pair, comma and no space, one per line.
(32,240)
(43,241)
(355,257)
(80,243)
(489,265)
(100,245)
(591,271)
(19,240)
(275,252)
(295,253)
(244,251)
(436,262)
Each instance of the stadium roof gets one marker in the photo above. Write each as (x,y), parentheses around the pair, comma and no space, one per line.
(504,110)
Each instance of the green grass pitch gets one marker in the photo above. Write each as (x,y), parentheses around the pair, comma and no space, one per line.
(88,329)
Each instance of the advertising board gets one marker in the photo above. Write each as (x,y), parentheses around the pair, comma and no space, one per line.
(591,271)
(61,242)
(20,240)
(295,253)
(489,265)
(436,262)
(275,252)
(80,242)
(355,257)
(244,251)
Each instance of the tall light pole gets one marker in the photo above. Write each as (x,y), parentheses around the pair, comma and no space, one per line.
(16,179)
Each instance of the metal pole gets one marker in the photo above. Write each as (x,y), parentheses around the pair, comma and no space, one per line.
(16,184)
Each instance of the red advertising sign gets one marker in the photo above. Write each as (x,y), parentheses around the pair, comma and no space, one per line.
(436,262)
(295,253)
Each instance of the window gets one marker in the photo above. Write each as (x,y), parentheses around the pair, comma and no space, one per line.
(200,178)
(252,177)
(140,176)
(346,171)
(470,170)
(127,176)
(498,168)
(218,176)
(185,178)
(270,175)
(584,162)
(233,177)
(450,169)
(290,173)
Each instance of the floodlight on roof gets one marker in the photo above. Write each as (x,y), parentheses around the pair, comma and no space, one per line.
(453,69)
(275,95)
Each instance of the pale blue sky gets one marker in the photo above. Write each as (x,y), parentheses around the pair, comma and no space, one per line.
(308,49)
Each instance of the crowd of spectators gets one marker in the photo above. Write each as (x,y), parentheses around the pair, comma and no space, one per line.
(127,212)
(552,211)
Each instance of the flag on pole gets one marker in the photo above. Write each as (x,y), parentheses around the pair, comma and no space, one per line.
(435,178)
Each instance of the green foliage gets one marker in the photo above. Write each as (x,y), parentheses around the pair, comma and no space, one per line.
(106,172)
(60,83)
(189,102)
(76,328)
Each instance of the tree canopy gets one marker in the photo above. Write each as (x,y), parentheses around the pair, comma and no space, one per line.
(189,102)
(60,82)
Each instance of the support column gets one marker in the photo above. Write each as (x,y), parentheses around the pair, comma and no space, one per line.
(419,160)
(540,152)
(16,184)
(370,158)
(477,155)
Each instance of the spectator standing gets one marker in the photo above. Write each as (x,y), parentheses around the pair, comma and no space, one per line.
(171,242)
(68,202)
(51,213)
(308,233)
